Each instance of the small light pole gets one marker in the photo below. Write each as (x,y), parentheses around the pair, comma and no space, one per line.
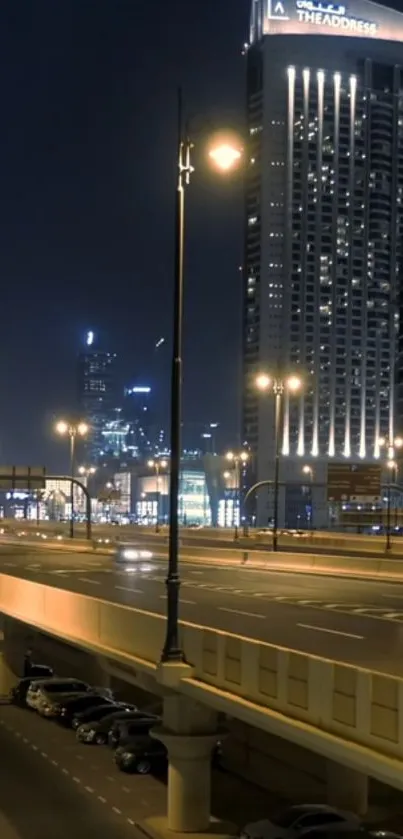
(390,444)
(277,385)
(238,459)
(307,470)
(157,465)
(72,429)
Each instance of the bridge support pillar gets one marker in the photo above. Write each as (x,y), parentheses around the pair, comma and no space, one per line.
(190,733)
(347,788)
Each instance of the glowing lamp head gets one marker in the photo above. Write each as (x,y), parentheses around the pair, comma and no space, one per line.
(62,427)
(391,464)
(163,464)
(150,463)
(294,384)
(230,456)
(307,470)
(225,156)
(263,381)
(82,429)
(244,457)
(398,442)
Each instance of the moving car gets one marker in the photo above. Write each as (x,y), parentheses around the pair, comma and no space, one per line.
(126,552)
(97,732)
(70,707)
(93,714)
(298,819)
(142,755)
(43,692)
(124,730)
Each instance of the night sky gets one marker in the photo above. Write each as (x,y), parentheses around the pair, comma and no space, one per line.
(87,172)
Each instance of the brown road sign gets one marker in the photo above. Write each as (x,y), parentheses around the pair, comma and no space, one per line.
(353,482)
(22,477)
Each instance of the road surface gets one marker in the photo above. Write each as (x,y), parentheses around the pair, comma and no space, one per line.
(52,787)
(355,621)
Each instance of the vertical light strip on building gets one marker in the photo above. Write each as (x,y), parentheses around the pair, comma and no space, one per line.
(393,293)
(318,249)
(336,140)
(348,386)
(301,424)
(288,248)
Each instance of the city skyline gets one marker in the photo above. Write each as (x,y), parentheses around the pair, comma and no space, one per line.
(89,243)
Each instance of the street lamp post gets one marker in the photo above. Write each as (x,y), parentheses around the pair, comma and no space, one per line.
(278,385)
(156,465)
(224,156)
(307,470)
(390,443)
(237,458)
(72,429)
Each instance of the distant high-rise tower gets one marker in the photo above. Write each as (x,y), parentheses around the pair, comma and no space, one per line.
(324,227)
(97,394)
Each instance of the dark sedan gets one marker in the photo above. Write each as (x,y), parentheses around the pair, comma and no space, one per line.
(97,732)
(71,707)
(142,755)
(124,730)
(99,712)
(18,693)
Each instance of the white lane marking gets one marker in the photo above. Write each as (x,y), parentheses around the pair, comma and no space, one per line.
(238,612)
(393,596)
(392,615)
(76,780)
(25,739)
(9,564)
(18,733)
(117,811)
(197,572)
(330,631)
(65,772)
(55,763)
(87,580)
(35,748)
(88,789)
(102,799)
(125,789)
(130,821)
(109,778)
(44,754)
(79,757)
(127,588)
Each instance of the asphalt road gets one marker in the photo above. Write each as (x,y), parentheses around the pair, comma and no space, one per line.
(356,621)
(52,787)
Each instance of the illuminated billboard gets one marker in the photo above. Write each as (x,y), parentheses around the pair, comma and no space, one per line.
(360,19)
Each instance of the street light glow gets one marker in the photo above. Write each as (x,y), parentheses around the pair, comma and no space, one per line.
(62,427)
(244,457)
(225,156)
(307,470)
(82,428)
(263,381)
(294,383)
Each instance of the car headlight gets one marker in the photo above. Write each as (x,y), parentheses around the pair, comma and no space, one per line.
(130,553)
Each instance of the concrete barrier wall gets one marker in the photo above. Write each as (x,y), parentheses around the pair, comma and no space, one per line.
(355,704)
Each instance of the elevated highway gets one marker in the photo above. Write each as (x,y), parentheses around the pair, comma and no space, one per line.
(352,715)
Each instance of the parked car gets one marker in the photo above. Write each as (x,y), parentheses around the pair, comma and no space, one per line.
(93,714)
(43,692)
(97,732)
(142,755)
(297,819)
(73,705)
(18,693)
(124,730)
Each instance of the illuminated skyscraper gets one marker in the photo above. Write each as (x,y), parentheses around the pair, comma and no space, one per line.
(324,226)
(97,395)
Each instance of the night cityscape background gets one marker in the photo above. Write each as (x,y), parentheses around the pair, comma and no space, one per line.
(87,173)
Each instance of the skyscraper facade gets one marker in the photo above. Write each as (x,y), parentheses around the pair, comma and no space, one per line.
(97,395)
(324,228)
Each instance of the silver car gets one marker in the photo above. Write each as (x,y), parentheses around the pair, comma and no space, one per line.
(44,694)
